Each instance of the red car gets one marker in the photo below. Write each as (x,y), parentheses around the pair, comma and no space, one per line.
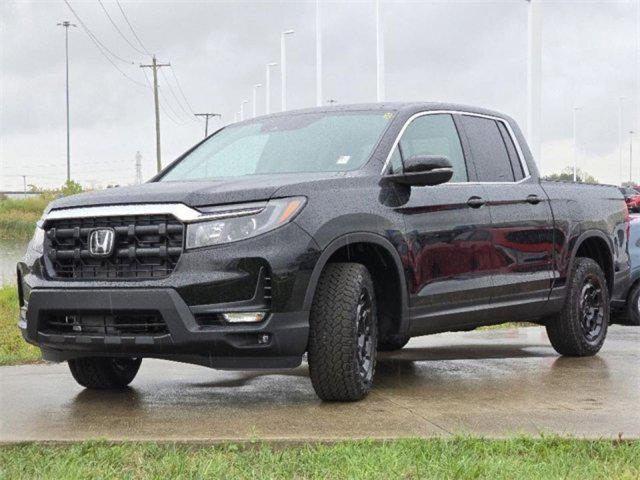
(632,197)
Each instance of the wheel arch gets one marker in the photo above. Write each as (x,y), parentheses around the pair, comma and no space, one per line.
(335,250)
(596,245)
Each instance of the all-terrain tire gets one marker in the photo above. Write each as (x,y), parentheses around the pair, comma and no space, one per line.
(341,368)
(104,373)
(579,329)
(632,308)
(392,343)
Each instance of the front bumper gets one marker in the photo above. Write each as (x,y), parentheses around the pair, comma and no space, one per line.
(218,279)
(221,346)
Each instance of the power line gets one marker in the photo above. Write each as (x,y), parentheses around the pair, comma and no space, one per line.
(175,120)
(173,94)
(181,91)
(118,29)
(91,34)
(131,28)
(97,43)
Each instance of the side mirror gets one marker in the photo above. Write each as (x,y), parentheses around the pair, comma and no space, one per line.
(423,170)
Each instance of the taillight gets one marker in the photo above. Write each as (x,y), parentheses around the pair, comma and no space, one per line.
(627,221)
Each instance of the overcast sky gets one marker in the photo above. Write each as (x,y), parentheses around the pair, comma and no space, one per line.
(459,51)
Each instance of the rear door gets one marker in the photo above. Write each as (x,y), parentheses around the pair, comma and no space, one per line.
(521,243)
(447,229)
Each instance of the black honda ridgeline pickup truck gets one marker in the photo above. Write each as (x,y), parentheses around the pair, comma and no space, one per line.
(336,232)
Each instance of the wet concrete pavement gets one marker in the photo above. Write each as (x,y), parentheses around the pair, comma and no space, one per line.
(492,383)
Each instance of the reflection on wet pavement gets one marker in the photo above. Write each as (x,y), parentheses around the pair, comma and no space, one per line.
(492,383)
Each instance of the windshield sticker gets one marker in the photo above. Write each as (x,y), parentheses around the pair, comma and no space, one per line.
(343,159)
(388,115)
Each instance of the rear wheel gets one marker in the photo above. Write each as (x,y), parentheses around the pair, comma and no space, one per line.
(633,306)
(580,328)
(104,373)
(343,333)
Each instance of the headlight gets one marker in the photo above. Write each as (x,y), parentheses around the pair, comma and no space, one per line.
(37,242)
(239,222)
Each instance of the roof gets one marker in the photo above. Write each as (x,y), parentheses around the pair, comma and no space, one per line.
(392,106)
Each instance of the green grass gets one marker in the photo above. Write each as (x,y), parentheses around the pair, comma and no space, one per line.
(18,217)
(13,349)
(459,458)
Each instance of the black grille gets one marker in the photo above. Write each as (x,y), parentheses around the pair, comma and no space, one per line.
(145,323)
(145,246)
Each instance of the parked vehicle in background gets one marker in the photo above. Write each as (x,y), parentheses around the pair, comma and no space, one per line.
(626,307)
(335,231)
(632,197)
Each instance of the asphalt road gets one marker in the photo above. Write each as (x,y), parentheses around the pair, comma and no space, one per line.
(492,383)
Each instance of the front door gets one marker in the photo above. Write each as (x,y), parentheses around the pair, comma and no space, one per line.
(447,228)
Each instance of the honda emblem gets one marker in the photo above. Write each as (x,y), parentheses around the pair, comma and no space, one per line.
(101,242)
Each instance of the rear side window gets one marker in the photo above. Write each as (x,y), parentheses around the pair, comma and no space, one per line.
(488,149)
(435,135)
(516,165)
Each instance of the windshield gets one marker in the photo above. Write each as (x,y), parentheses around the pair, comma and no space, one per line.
(308,142)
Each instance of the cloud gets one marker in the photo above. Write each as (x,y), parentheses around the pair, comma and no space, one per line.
(470,52)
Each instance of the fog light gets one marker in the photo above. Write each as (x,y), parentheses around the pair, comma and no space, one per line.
(264,338)
(243,317)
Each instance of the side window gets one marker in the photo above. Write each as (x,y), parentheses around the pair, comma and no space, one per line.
(516,165)
(488,149)
(435,135)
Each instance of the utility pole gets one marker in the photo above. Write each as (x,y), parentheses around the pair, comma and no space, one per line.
(24,185)
(380,93)
(283,67)
(155,66)
(267,93)
(207,116)
(138,168)
(66,24)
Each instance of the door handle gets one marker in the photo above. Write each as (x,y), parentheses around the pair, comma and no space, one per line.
(475,202)
(533,199)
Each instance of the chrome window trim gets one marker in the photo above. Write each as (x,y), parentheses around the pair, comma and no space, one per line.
(179,210)
(523,163)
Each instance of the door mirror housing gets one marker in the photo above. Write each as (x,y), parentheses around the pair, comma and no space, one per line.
(424,170)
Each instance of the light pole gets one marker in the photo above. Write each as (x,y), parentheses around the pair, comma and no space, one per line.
(66,24)
(283,66)
(630,154)
(318,56)
(242,104)
(575,144)
(620,135)
(255,95)
(267,93)
(534,75)
(380,94)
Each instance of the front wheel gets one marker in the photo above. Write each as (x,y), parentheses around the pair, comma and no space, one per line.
(104,373)
(343,333)
(580,328)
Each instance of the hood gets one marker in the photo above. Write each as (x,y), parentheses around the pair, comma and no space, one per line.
(194,193)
